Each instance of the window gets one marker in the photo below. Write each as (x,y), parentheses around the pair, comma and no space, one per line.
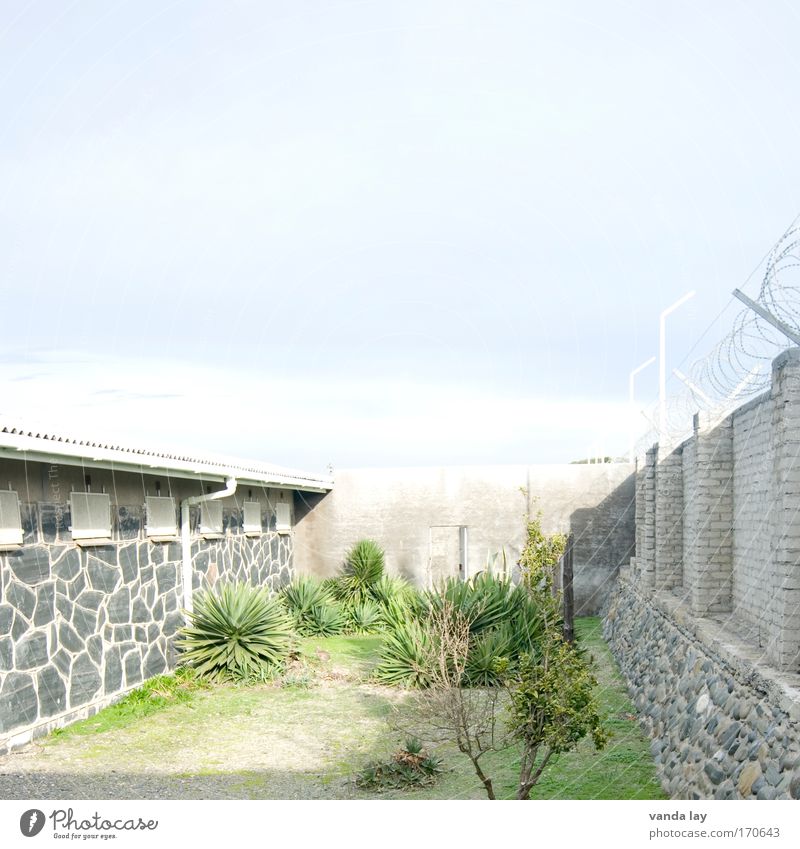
(10,521)
(211,520)
(91,518)
(162,526)
(283,519)
(251,521)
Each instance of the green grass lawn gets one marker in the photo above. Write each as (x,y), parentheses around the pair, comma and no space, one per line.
(308,734)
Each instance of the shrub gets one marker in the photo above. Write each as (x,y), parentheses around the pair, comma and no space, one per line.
(405,650)
(363,568)
(411,766)
(504,621)
(541,553)
(363,617)
(312,607)
(387,590)
(325,620)
(235,633)
(552,707)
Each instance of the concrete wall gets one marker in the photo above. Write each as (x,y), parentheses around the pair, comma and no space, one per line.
(398,508)
(80,626)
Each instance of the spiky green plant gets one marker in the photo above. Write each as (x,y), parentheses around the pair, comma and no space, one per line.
(406,649)
(388,589)
(363,568)
(505,621)
(363,617)
(325,620)
(301,597)
(489,651)
(235,633)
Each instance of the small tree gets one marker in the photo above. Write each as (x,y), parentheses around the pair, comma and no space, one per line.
(541,553)
(551,707)
(469,716)
(544,703)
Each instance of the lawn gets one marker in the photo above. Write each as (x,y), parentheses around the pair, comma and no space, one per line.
(308,734)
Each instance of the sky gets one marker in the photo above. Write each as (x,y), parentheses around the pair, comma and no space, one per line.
(380,233)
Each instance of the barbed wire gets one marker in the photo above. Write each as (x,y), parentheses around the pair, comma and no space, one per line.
(738,366)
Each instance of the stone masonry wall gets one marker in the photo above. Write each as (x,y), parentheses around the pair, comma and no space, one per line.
(722,726)
(718,518)
(753,504)
(79,626)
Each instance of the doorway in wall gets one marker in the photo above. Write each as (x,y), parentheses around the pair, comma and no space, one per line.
(447,553)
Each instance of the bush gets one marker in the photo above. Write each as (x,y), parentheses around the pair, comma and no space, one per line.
(364,617)
(411,766)
(313,607)
(235,633)
(363,569)
(504,621)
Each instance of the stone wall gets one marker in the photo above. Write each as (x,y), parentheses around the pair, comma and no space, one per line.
(79,626)
(402,508)
(718,518)
(722,725)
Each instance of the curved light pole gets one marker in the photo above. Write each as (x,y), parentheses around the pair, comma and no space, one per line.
(633,374)
(662,364)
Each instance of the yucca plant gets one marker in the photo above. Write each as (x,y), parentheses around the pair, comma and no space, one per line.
(301,597)
(235,633)
(387,589)
(487,651)
(324,620)
(363,568)
(405,651)
(363,617)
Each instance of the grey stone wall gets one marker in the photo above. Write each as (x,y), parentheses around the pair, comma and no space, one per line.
(722,726)
(718,518)
(753,506)
(398,508)
(79,626)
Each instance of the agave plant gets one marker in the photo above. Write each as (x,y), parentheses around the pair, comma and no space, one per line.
(235,633)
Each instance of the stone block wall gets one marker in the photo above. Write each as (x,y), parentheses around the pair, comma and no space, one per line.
(718,518)
(80,626)
(754,518)
(722,726)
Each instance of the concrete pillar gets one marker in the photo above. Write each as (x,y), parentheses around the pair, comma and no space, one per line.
(709,572)
(648,555)
(669,521)
(783,610)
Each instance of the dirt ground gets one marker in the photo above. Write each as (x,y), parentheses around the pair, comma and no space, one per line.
(267,742)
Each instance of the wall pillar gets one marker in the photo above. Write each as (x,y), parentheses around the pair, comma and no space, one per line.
(783,608)
(669,521)
(647,559)
(710,578)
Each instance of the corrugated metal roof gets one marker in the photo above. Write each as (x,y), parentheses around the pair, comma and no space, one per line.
(48,444)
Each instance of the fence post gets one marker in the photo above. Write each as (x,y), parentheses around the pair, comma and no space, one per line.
(569,596)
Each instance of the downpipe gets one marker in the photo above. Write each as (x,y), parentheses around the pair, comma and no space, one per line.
(186,536)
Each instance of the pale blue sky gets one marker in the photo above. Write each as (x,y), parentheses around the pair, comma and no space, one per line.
(375,233)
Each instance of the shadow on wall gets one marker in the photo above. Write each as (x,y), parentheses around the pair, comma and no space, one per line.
(604,540)
(400,513)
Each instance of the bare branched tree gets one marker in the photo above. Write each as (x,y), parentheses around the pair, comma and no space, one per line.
(469,716)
